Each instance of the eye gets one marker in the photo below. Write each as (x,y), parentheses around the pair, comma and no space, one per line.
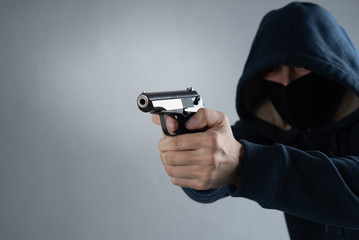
(270,71)
(299,71)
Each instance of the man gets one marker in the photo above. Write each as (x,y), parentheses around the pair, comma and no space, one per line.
(296,146)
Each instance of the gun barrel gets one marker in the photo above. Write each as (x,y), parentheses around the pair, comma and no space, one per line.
(146,100)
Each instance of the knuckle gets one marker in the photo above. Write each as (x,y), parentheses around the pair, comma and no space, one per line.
(213,139)
(169,170)
(190,172)
(210,162)
(174,181)
(161,144)
(202,111)
(202,114)
(156,119)
(223,116)
(206,113)
(203,185)
(176,143)
(163,158)
(170,158)
(207,176)
(170,143)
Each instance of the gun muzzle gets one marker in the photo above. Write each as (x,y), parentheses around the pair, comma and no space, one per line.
(144,103)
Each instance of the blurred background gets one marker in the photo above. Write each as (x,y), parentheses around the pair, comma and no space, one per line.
(78,160)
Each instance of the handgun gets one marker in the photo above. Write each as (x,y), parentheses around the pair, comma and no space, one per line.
(181,105)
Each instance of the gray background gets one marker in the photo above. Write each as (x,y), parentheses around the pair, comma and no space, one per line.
(78,160)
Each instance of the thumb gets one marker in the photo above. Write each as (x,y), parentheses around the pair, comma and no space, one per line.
(206,118)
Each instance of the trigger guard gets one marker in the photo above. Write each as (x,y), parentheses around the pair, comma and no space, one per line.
(163,118)
(181,123)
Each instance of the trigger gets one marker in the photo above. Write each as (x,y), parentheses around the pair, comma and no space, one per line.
(163,118)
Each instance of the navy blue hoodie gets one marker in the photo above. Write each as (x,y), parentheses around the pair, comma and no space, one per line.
(313,177)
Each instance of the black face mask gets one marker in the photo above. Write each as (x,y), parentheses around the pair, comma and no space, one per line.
(307,102)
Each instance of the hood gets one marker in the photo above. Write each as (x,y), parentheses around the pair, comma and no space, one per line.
(303,35)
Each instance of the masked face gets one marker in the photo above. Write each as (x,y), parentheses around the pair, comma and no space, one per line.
(307,102)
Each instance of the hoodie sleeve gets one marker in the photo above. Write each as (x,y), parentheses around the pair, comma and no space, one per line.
(306,184)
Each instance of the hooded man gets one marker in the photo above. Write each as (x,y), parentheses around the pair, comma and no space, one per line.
(295,147)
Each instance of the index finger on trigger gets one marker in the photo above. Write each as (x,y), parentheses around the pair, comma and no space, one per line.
(172,124)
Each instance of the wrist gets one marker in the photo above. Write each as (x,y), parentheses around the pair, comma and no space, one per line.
(237,174)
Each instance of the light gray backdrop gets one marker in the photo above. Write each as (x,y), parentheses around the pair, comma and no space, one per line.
(78,160)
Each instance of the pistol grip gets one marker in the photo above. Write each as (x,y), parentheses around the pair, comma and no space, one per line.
(181,119)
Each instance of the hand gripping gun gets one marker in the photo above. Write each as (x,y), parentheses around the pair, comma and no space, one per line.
(181,105)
